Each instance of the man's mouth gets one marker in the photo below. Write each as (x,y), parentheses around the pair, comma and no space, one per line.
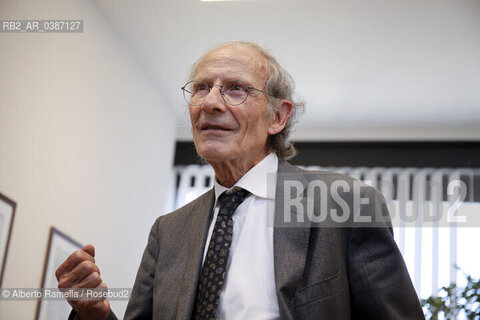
(214,127)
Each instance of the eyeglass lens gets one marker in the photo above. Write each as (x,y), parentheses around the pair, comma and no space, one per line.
(233,92)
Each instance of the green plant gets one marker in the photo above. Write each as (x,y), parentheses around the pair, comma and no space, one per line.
(452,302)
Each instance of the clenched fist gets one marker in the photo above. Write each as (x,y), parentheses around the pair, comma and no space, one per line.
(80,271)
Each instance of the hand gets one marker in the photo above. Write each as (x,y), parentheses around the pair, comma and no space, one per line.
(80,271)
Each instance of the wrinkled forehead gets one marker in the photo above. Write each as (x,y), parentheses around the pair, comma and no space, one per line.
(233,61)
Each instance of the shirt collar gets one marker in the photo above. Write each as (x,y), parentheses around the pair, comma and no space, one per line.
(259,180)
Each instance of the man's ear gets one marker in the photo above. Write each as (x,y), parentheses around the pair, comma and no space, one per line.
(280,117)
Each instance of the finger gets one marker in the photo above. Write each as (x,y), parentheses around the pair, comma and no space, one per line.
(102,285)
(93,280)
(90,249)
(80,272)
(101,290)
(72,261)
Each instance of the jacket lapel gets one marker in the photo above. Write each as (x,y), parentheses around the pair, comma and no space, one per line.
(198,225)
(290,241)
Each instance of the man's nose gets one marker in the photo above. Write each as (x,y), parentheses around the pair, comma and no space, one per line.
(214,100)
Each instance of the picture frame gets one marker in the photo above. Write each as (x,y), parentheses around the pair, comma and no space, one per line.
(59,248)
(7,214)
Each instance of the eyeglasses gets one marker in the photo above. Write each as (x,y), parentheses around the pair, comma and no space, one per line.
(234,92)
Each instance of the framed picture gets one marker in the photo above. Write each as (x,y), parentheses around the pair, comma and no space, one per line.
(60,246)
(7,212)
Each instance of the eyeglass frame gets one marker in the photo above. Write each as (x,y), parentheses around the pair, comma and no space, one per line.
(249,88)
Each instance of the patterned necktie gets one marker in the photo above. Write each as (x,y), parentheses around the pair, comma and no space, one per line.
(214,267)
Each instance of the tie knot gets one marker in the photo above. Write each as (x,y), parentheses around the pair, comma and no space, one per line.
(230,200)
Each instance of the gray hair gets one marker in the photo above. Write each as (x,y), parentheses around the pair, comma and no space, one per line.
(280,86)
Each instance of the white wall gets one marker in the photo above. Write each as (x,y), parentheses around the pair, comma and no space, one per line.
(358,64)
(86,145)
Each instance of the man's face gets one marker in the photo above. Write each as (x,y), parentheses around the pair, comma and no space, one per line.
(224,133)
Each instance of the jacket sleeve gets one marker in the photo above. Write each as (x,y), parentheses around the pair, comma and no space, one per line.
(380,286)
(140,305)
(74,316)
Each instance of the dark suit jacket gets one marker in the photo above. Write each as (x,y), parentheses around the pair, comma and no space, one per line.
(320,272)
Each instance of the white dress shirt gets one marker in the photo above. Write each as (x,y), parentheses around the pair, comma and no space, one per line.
(249,289)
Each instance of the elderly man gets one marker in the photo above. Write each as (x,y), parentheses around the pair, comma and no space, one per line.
(220,256)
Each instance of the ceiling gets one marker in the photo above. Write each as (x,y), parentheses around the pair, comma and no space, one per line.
(361,64)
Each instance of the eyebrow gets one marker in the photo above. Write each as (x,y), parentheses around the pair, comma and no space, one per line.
(226,79)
